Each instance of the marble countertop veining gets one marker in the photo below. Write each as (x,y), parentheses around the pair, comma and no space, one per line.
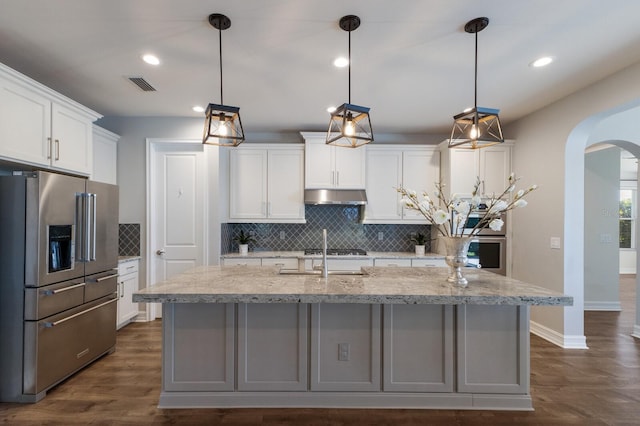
(396,285)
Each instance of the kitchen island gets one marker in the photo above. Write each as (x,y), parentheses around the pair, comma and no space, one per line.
(393,337)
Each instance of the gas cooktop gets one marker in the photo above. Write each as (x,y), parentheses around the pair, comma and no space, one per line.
(337,252)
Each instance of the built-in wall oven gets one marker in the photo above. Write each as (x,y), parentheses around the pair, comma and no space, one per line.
(488,249)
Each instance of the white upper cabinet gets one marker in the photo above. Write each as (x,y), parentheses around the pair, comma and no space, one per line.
(328,166)
(40,127)
(105,156)
(266,183)
(393,166)
(462,167)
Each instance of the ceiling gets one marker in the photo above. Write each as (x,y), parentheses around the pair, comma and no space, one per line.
(412,62)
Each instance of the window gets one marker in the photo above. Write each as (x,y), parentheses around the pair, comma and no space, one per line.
(627,217)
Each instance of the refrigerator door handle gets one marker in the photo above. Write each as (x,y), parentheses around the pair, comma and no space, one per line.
(93,224)
(80,227)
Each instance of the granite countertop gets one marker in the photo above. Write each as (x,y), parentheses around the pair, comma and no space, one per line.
(124,259)
(369,255)
(396,285)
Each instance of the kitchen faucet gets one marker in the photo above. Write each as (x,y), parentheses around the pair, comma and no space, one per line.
(325,267)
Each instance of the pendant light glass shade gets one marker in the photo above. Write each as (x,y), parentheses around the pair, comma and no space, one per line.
(350,125)
(478,127)
(222,125)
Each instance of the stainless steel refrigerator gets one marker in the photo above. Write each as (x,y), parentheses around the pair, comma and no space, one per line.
(58,279)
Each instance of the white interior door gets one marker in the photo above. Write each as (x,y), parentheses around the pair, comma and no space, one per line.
(177,202)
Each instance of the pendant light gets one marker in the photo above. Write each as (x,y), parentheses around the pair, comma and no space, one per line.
(350,125)
(222,124)
(477,127)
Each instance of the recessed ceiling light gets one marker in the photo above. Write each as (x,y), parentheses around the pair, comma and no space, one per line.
(341,62)
(198,108)
(331,109)
(151,59)
(541,62)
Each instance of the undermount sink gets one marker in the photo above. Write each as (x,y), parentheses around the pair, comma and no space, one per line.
(318,273)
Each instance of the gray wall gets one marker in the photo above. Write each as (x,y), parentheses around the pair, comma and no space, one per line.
(601,253)
(549,151)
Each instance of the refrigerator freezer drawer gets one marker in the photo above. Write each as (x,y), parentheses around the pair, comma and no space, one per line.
(41,302)
(100,285)
(58,346)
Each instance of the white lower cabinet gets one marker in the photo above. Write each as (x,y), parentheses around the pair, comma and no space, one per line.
(392,262)
(241,261)
(127,285)
(282,262)
(339,264)
(272,347)
(429,262)
(345,347)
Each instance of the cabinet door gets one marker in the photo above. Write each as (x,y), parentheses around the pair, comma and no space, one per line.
(465,171)
(495,167)
(345,347)
(418,348)
(248,184)
(71,140)
(384,175)
(127,285)
(285,184)
(349,165)
(318,161)
(105,156)
(272,347)
(25,124)
(420,171)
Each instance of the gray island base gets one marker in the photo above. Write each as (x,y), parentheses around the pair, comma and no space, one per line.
(391,338)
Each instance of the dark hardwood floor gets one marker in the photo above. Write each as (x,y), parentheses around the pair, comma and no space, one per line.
(599,386)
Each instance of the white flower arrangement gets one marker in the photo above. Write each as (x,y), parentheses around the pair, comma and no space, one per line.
(449,216)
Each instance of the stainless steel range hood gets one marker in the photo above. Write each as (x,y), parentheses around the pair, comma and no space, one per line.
(355,197)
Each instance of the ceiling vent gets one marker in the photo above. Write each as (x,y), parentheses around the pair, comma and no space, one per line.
(142,84)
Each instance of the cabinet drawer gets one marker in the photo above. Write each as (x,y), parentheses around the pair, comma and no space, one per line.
(428,263)
(128,268)
(40,302)
(392,262)
(235,261)
(284,263)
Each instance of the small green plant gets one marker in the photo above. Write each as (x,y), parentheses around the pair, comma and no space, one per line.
(418,239)
(243,238)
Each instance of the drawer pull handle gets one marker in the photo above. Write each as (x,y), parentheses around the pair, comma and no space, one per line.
(106,278)
(62,290)
(55,323)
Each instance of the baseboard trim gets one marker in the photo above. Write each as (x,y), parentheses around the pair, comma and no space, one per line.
(602,306)
(636,331)
(558,339)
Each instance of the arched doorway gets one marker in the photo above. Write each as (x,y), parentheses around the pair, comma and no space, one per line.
(589,132)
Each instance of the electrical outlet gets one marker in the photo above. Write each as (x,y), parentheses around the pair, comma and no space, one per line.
(343,351)
(380,236)
(282,235)
(555,242)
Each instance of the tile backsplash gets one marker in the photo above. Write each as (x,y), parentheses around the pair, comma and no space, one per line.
(344,230)
(129,239)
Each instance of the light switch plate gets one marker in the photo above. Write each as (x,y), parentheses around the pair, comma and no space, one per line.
(555,242)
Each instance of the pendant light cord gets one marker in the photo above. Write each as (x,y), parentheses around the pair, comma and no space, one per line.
(220,49)
(349,67)
(475,83)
